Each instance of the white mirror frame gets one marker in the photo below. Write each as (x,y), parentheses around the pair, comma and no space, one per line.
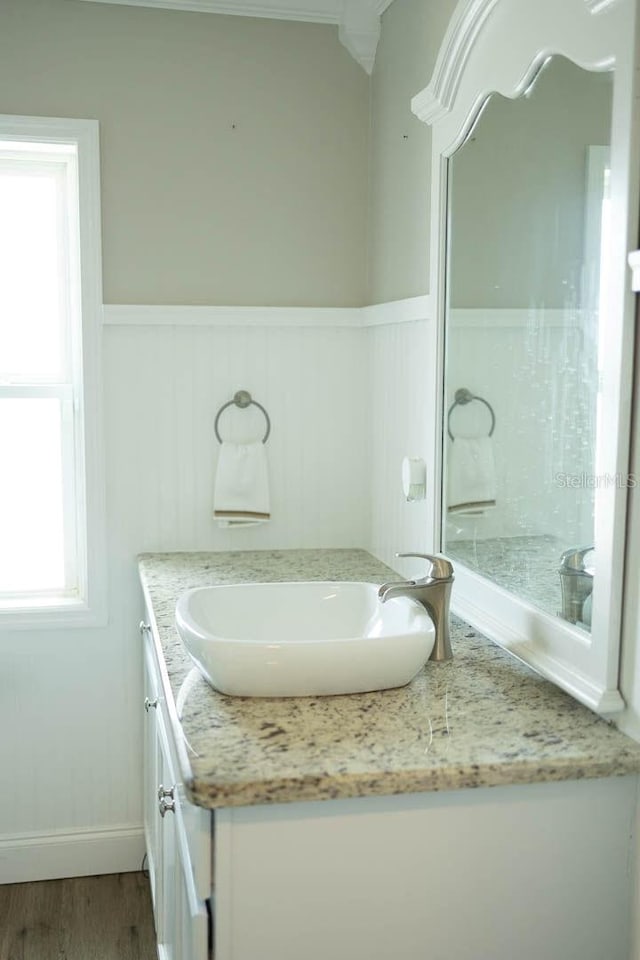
(499,46)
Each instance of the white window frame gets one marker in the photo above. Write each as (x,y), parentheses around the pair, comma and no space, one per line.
(84,492)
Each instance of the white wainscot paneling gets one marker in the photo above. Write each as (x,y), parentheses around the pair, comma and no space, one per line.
(400,425)
(165,385)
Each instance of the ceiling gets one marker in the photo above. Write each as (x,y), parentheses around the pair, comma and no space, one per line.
(358,21)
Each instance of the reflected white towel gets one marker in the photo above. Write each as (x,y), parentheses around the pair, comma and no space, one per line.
(241,496)
(471,476)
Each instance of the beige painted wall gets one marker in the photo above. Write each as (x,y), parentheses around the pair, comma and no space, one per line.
(399,209)
(234,150)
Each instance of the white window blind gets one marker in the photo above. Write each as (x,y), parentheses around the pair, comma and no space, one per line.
(51,512)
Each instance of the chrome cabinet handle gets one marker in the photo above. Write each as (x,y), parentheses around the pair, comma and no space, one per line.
(166,799)
(143,628)
(149,704)
(166,806)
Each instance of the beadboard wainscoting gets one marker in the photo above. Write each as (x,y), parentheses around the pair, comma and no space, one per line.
(345,393)
(165,385)
(401,421)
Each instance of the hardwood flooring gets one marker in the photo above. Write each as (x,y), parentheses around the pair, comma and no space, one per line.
(83,918)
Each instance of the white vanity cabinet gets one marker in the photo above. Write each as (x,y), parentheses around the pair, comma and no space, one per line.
(537,870)
(177,834)
(345,827)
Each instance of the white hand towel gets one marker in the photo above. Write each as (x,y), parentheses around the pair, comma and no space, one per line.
(471,476)
(241,496)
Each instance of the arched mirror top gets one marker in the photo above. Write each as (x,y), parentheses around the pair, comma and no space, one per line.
(468,70)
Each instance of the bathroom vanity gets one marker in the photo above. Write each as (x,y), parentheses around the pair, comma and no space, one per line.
(478,813)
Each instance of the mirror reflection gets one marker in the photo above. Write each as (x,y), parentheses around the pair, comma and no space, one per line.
(525,326)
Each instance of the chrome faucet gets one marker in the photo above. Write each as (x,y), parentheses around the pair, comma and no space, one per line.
(576,581)
(434,593)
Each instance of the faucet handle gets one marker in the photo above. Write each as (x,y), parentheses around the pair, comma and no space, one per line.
(574,559)
(440,568)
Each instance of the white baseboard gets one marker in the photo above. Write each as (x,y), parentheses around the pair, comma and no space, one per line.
(83,853)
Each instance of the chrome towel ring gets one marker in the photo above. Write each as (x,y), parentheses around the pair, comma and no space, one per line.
(462,398)
(242,399)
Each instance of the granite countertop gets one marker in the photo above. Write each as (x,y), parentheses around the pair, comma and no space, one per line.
(482,719)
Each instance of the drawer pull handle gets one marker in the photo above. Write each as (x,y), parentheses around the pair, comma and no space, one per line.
(150,704)
(143,627)
(163,792)
(166,806)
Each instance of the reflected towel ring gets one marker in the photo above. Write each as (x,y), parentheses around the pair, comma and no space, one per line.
(462,398)
(242,399)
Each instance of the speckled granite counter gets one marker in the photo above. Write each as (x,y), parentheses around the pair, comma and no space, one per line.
(482,719)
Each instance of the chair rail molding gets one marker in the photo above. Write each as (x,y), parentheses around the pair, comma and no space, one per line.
(380,314)
(358,20)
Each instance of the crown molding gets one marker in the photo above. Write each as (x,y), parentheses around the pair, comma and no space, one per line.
(358,21)
(359,31)
(311,11)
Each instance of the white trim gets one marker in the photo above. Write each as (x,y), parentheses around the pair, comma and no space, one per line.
(515,625)
(359,32)
(395,311)
(297,10)
(464,27)
(214,316)
(634,263)
(358,20)
(80,853)
(91,609)
(328,11)
(398,311)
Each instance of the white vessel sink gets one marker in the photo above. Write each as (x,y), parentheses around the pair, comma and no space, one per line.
(303,639)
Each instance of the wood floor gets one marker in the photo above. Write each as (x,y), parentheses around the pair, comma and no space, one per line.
(84,918)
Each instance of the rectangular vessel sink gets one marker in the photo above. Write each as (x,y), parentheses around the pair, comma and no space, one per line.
(303,639)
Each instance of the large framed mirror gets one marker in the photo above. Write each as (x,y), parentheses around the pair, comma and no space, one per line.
(533,214)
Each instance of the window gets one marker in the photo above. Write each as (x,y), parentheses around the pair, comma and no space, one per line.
(51,484)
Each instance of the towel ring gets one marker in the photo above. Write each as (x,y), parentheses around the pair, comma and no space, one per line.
(462,398)
(242,399)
